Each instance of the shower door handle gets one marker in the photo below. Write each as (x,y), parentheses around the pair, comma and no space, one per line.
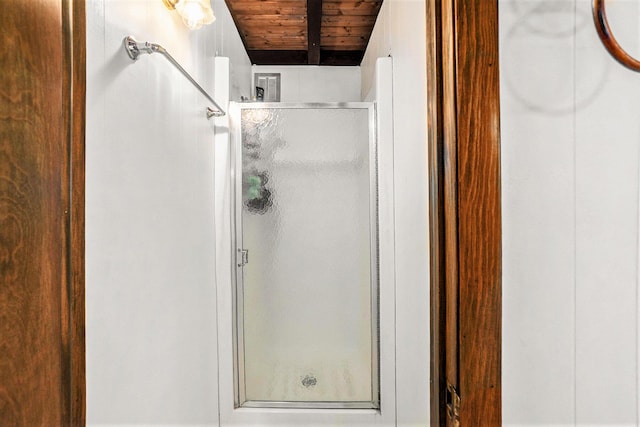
(243,257)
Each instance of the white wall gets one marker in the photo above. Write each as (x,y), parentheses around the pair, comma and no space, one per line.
(315,83)
(151,307)
(400,32)
(570,164)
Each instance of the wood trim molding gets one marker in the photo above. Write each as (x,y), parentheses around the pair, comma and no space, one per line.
(479,211)
(77,212)
(438,382)
(465,203)
(74,105)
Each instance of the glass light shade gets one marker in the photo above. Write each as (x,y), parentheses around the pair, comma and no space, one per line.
(195,13)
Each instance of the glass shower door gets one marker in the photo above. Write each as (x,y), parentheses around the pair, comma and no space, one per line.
(306,296)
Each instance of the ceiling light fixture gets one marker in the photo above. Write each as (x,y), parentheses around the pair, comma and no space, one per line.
(194,13)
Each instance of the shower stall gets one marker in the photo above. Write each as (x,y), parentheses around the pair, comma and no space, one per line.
(306,266)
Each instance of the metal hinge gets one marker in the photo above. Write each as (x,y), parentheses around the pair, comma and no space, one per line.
(453,405)
(243,257)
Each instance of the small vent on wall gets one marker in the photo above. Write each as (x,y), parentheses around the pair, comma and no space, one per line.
(270,83)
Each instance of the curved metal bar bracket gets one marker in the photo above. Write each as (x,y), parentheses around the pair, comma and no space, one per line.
(609,41)
(135,48)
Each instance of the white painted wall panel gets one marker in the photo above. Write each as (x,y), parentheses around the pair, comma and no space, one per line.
(570,166)
(400,31)
(607,144)
(315,83)
(538,214)
(151,307)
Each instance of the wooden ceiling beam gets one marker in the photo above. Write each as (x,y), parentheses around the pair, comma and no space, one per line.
(277,57)
(341,57)
(314,23)
(299,57)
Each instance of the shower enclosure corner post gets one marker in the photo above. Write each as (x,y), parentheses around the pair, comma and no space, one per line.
(225,258)
(236,247)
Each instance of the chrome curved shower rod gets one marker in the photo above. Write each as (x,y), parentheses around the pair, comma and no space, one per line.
(134,48)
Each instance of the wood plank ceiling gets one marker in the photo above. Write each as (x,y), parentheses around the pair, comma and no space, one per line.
(310,32)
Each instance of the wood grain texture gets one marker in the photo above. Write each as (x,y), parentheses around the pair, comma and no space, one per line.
(278,43)
(464,148)
(40,356)
(346,31)
(351,21)
(479,206)
(311,25)
(278,32)
(266,21)
(437,249)
(351,8)
(451,207)
(76,250)
(269,7)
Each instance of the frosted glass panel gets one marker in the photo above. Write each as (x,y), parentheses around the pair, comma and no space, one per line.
(308,286)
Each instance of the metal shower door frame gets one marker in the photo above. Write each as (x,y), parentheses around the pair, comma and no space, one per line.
(235,115)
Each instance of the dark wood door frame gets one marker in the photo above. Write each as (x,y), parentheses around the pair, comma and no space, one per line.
(76,41)
(42,187)
(465,218)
